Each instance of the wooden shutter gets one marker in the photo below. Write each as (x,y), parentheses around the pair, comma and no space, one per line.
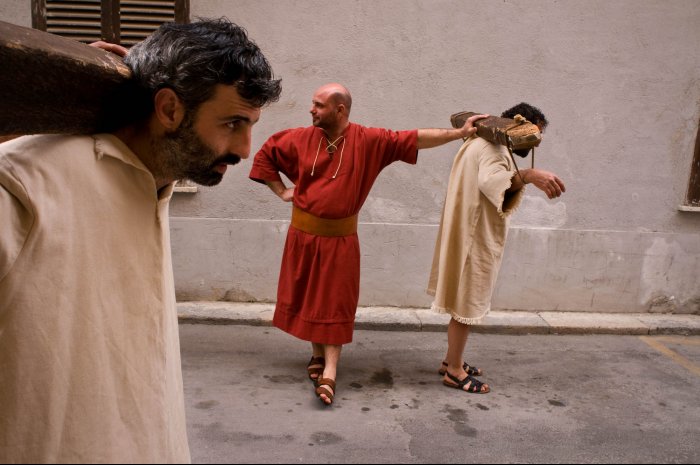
(693,195)
(75,19)
(122,22)
(139,18)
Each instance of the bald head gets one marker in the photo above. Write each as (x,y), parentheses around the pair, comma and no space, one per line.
(330,108)
(337,93)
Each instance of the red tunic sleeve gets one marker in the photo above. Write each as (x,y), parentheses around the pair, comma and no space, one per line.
(277,155)
(393,146)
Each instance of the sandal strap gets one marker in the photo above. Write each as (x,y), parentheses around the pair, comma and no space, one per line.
(475,385)
(473,371)
(327,382)
(321,389)
(316,361)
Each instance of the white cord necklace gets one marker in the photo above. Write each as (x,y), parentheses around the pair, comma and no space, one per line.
(332,146)
(328,149)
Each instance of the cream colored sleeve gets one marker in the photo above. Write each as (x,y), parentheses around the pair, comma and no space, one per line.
(16,221)
(496,172)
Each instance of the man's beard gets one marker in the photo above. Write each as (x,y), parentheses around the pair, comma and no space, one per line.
(183,155)
(521,152)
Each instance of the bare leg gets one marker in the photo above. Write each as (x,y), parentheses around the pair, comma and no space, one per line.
(316,366)
(457,334)
(332,354)
(318,350)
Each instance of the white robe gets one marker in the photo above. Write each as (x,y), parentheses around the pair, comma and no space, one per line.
(89,347)
(473,230)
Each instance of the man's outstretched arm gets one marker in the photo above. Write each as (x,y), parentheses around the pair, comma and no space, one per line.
(429,138)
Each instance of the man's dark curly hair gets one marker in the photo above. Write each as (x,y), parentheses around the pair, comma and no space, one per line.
(532,114)
(193,58)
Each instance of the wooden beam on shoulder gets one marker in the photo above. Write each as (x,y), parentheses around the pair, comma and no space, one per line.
(50,84)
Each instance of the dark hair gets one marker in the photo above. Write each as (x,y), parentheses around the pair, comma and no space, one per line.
(193,58)
(532,114)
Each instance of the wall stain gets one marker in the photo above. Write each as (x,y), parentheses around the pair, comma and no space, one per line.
(206,404)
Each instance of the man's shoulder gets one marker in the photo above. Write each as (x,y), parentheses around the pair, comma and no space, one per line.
(45,153)
(479,144)
(25,146)
(300,131)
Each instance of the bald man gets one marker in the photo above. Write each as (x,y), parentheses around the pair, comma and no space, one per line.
(333,165)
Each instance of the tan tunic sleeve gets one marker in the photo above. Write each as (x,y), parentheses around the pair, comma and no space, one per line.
(16,220)
(496,173)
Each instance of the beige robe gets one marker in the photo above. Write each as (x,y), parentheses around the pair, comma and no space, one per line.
(472,230)
(89,347)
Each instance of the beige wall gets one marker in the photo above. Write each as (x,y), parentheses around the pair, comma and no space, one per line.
(16,12)
(618,80)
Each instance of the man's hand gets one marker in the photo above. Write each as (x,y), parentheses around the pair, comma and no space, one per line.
(288,194)
(468,129)
(429,138)
(283,192)
(545,181)
(114,48)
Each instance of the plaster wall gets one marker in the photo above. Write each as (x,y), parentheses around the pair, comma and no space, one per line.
(619,82)
(17,12)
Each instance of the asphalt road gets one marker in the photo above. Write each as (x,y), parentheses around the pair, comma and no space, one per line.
(564,399)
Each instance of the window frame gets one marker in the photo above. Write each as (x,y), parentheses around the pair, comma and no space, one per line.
(692,196)
(110,19)
(110,30)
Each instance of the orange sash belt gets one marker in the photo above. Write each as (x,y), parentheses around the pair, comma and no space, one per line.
(311,224)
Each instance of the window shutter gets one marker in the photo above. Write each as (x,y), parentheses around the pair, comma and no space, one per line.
(139,18)
(76,19)
(124,22)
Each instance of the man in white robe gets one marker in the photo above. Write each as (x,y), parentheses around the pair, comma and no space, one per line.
(89,349)
(484,190)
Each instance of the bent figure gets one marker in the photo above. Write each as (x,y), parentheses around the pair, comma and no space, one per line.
(484,189)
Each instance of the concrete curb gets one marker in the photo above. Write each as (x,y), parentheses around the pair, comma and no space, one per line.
(496,322)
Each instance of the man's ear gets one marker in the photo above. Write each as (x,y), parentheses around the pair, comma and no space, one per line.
(342,109)
(169,109)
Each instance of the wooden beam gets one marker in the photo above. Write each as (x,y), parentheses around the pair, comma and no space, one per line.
(50,84)
(499,130)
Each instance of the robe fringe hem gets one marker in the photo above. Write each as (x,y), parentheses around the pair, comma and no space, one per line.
(457,318)
(515,200)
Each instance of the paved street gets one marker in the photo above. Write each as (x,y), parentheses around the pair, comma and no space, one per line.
(555,398)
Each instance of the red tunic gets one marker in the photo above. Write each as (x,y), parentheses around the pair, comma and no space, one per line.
(319,283)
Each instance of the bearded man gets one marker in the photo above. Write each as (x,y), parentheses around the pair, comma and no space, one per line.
(89,346)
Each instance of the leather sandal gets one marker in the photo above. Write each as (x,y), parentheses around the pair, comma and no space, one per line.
(471,371)
(313,369)
(472,384)
(322,390)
